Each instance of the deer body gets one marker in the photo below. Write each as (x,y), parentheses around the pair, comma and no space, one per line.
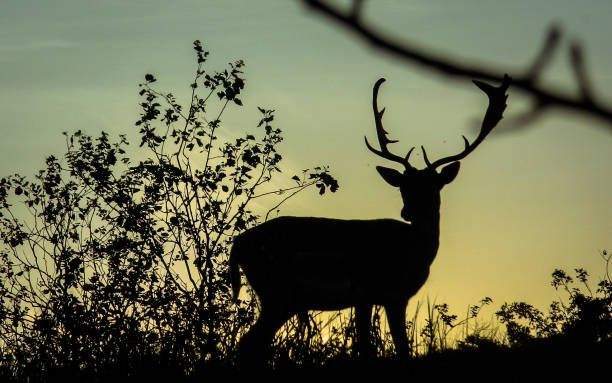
(295,264)
(342,263)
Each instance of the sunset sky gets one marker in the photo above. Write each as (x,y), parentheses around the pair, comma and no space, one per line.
(528,200)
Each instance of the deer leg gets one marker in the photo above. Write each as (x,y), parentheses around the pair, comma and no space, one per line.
(396,317)
(363,317)
(255,346)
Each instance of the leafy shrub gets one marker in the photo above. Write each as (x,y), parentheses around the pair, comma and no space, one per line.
(116,259)
(586,316)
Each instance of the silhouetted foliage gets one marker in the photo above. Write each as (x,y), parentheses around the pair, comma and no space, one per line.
(115,259)
(585,318)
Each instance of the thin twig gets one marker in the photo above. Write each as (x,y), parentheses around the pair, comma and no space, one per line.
(544,97)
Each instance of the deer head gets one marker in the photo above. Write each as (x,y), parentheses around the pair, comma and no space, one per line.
(420,188)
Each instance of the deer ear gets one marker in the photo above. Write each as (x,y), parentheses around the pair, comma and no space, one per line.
(392,176)
(448,173)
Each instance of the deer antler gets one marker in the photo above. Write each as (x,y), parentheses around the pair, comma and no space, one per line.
(383,140)
(497,105)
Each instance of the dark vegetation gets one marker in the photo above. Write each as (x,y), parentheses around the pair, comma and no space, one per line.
(113,264)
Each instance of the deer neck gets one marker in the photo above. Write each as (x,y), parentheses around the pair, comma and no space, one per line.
(427,231)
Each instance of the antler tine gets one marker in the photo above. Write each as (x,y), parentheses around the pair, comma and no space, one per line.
(425,157)
(407,158)
(381,133)
(497,105)
(467,144)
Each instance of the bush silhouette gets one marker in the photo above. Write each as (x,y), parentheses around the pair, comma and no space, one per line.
(585,318)
(114,258)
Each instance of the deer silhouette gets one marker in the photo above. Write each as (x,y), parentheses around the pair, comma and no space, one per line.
(295,264)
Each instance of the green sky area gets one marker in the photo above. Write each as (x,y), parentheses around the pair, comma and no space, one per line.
(528,200)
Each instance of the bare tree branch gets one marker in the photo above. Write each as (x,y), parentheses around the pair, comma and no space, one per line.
(584,103)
